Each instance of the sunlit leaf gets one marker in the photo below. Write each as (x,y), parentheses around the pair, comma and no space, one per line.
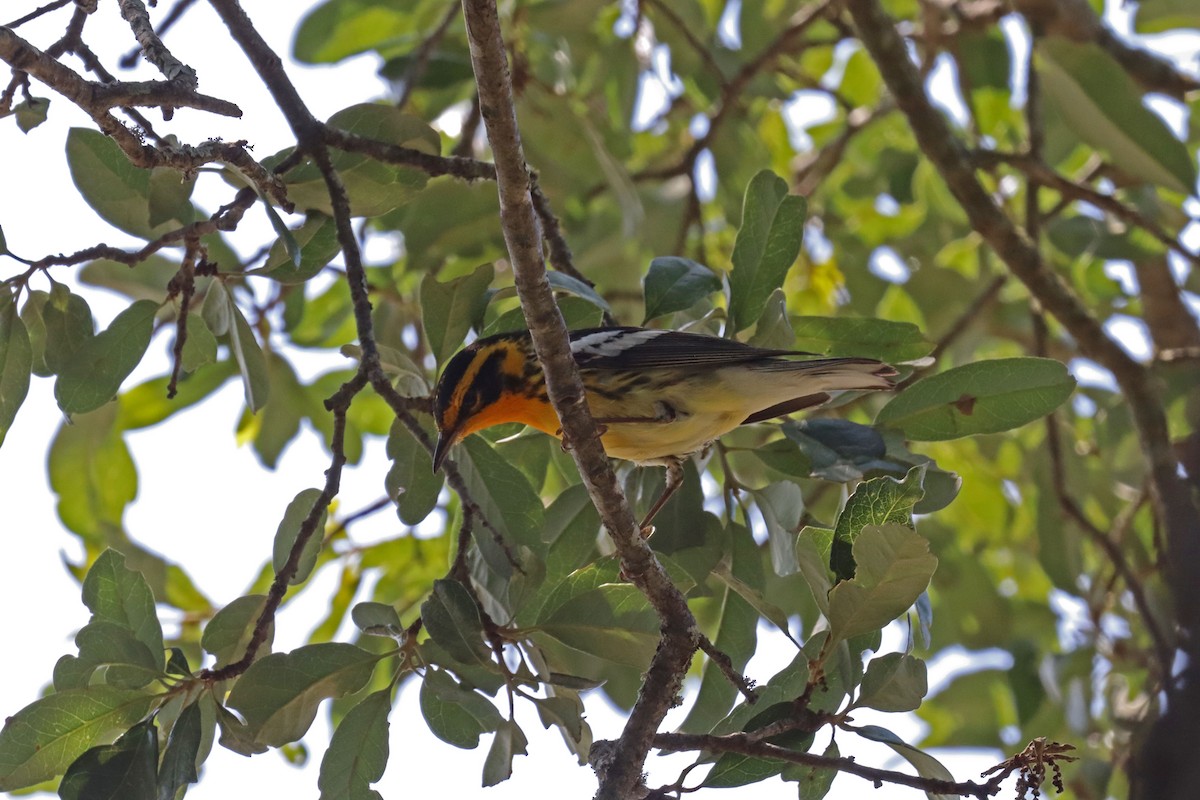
(279,694)
(42,739)
(1103,106)
(767,245)
(984,397)
(894,567)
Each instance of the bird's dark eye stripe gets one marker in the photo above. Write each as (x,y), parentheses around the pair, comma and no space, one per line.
(488,383)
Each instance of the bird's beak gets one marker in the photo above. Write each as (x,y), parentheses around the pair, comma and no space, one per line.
(442,449)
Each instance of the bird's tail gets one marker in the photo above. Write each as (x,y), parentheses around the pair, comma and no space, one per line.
(816,378)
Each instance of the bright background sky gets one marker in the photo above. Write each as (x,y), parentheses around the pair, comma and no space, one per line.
(214,509)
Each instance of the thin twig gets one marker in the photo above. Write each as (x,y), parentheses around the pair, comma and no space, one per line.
(745,745)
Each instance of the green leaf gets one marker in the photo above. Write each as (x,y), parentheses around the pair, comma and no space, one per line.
(121,596)
(782,507)
(836,449)
(289,530)
(735,769)
(875,502)
(169,196)
(126,769)
(411,480)
(35,328)
(92,473)
(126,662)
(562,282)
(774,329)
(147,281)
(358,751)
(290,246)
(31,112)
(94,373)
(926,765)
(252,364)
(377,619)
(228,632)
(16,361)
(984,397)
(147,403)
(591,611)
(565,710)
(302,253)
(506,499)
(894,682)
(290,403)
(178,767)
(448,309)
(42,739)
(373,187)
(200,348)
(676,284)
(894,567)
(115,189)
(452,620)
(508,743)
(69,326)
(813,546)
(1164,16)
(736,637)
(766,247)
(337,29)
(1103,106)
(455,714)
(814,782)
(278,696)
(893,342)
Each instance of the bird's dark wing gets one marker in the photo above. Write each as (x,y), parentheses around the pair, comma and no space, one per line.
(645,348)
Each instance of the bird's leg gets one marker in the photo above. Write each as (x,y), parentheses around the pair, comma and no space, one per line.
(674,481)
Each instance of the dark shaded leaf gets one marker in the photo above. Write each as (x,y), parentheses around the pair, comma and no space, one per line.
(358,751)
(278,696)
(676,284)
(94,373)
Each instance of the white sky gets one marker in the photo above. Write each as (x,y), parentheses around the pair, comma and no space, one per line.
(214,509)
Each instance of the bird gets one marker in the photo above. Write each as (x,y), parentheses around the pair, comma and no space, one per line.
(658,396)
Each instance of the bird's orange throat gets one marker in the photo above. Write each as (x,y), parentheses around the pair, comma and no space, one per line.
(514,408)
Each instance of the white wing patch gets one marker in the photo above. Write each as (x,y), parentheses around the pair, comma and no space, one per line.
(607,344)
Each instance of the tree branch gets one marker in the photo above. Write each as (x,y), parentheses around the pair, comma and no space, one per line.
(744,745)
(134,12)
(679,640)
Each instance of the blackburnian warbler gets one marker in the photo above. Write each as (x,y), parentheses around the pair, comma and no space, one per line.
(658,395)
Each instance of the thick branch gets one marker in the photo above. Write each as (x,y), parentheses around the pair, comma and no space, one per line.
(100,97)
(1171,323)
(549,333)
(135,13)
